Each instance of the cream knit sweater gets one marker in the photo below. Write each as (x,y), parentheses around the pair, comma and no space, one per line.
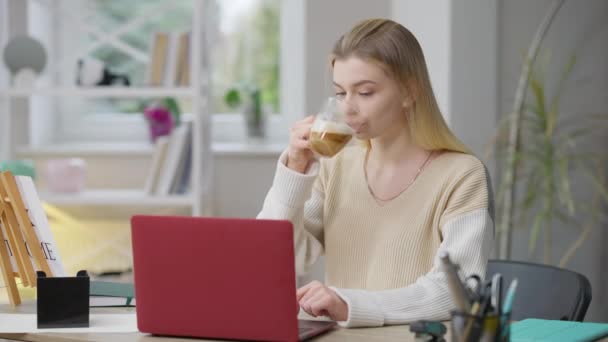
(382,259)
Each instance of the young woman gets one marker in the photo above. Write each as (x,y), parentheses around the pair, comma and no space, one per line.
(381,212)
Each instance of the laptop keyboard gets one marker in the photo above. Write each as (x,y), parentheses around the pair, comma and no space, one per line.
(305,330)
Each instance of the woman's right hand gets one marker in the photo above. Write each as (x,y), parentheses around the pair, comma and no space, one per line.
(299,154)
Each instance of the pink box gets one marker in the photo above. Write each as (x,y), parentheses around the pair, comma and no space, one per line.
(66,175)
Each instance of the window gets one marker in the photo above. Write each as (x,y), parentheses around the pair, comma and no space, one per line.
(245,49)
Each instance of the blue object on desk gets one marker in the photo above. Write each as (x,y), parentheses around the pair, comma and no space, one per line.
(556,331)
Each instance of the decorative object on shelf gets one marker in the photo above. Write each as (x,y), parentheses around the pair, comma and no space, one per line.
(62,302)
(24,224)
(25,78)
(255,119)
(66,175)
(93,72)
(19,167)
(25,58)
(162,117)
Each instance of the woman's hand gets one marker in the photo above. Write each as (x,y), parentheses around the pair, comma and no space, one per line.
(319,300)
(299,154)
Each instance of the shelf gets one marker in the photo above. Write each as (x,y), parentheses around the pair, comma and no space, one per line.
(101,92)
(116,198)
(87,149)
(251,149)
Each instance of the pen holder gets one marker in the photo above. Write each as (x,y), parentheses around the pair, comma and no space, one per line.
(487,328)
(63,302)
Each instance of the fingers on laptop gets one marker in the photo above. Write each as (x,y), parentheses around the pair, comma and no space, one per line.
(318,300)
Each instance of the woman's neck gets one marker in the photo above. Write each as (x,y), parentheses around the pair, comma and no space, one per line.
(395,149)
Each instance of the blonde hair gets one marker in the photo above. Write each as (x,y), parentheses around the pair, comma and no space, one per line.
(397,51)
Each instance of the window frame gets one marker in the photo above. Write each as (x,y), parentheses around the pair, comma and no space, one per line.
(227,127)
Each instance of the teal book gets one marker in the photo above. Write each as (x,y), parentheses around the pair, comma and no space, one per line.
(105,293)
(541,330)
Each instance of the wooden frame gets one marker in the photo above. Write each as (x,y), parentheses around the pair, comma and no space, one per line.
(18,238)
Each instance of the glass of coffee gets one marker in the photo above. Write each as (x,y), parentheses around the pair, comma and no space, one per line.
(330,133)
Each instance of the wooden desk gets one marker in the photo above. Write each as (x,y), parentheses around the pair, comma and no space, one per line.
(385,334)
(399,333)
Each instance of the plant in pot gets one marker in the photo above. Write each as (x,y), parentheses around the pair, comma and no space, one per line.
(249,99)
(162,116)
(553,154)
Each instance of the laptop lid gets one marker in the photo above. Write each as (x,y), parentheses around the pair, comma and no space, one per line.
(214,277)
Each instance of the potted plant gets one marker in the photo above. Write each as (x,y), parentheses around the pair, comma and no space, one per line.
(549,158)
(248,98)
(162,116)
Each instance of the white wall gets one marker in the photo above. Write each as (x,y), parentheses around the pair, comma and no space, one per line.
(583,30)
(4,151)
(430,22)
(473,92)
(10,117)
(325,22)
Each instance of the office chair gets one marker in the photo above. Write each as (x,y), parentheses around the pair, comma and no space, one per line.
(543,291)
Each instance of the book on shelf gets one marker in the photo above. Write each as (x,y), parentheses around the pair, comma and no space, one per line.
(181,182)
(183,59)
(170,72)
(158,56)
(175,158)
(169,59)
(158,158)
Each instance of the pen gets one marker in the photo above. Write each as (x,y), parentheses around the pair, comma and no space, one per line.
(459,292)
(507,307)
(496,293)
(467,330)
(510,296)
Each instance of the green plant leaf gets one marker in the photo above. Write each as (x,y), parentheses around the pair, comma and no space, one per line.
(564,192)
(173,107)
(535,231)
(233,98)
(562,81)
(539,97)
(597,184)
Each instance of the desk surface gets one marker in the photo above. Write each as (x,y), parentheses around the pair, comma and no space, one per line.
(384,334)
(399,333)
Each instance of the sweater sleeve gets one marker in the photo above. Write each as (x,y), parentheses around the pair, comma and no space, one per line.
(298,198)
(468,237)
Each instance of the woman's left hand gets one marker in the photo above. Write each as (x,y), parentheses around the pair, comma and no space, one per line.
(319,300)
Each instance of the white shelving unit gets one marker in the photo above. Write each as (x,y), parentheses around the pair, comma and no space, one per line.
(115,92)
(199,197)
(117,197)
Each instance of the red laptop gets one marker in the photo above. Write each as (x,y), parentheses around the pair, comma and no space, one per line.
(217,278)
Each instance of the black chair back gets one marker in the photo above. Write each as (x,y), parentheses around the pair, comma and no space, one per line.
(543,291)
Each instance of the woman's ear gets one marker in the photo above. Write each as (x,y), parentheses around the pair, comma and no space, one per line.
(410,94)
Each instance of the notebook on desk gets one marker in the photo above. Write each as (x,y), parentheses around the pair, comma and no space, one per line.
(217,278)
(540,330)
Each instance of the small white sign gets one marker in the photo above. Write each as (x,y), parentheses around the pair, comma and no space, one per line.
(41,227)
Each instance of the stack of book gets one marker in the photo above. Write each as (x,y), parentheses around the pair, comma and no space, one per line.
(105,293)
(169,59)
(171,162)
